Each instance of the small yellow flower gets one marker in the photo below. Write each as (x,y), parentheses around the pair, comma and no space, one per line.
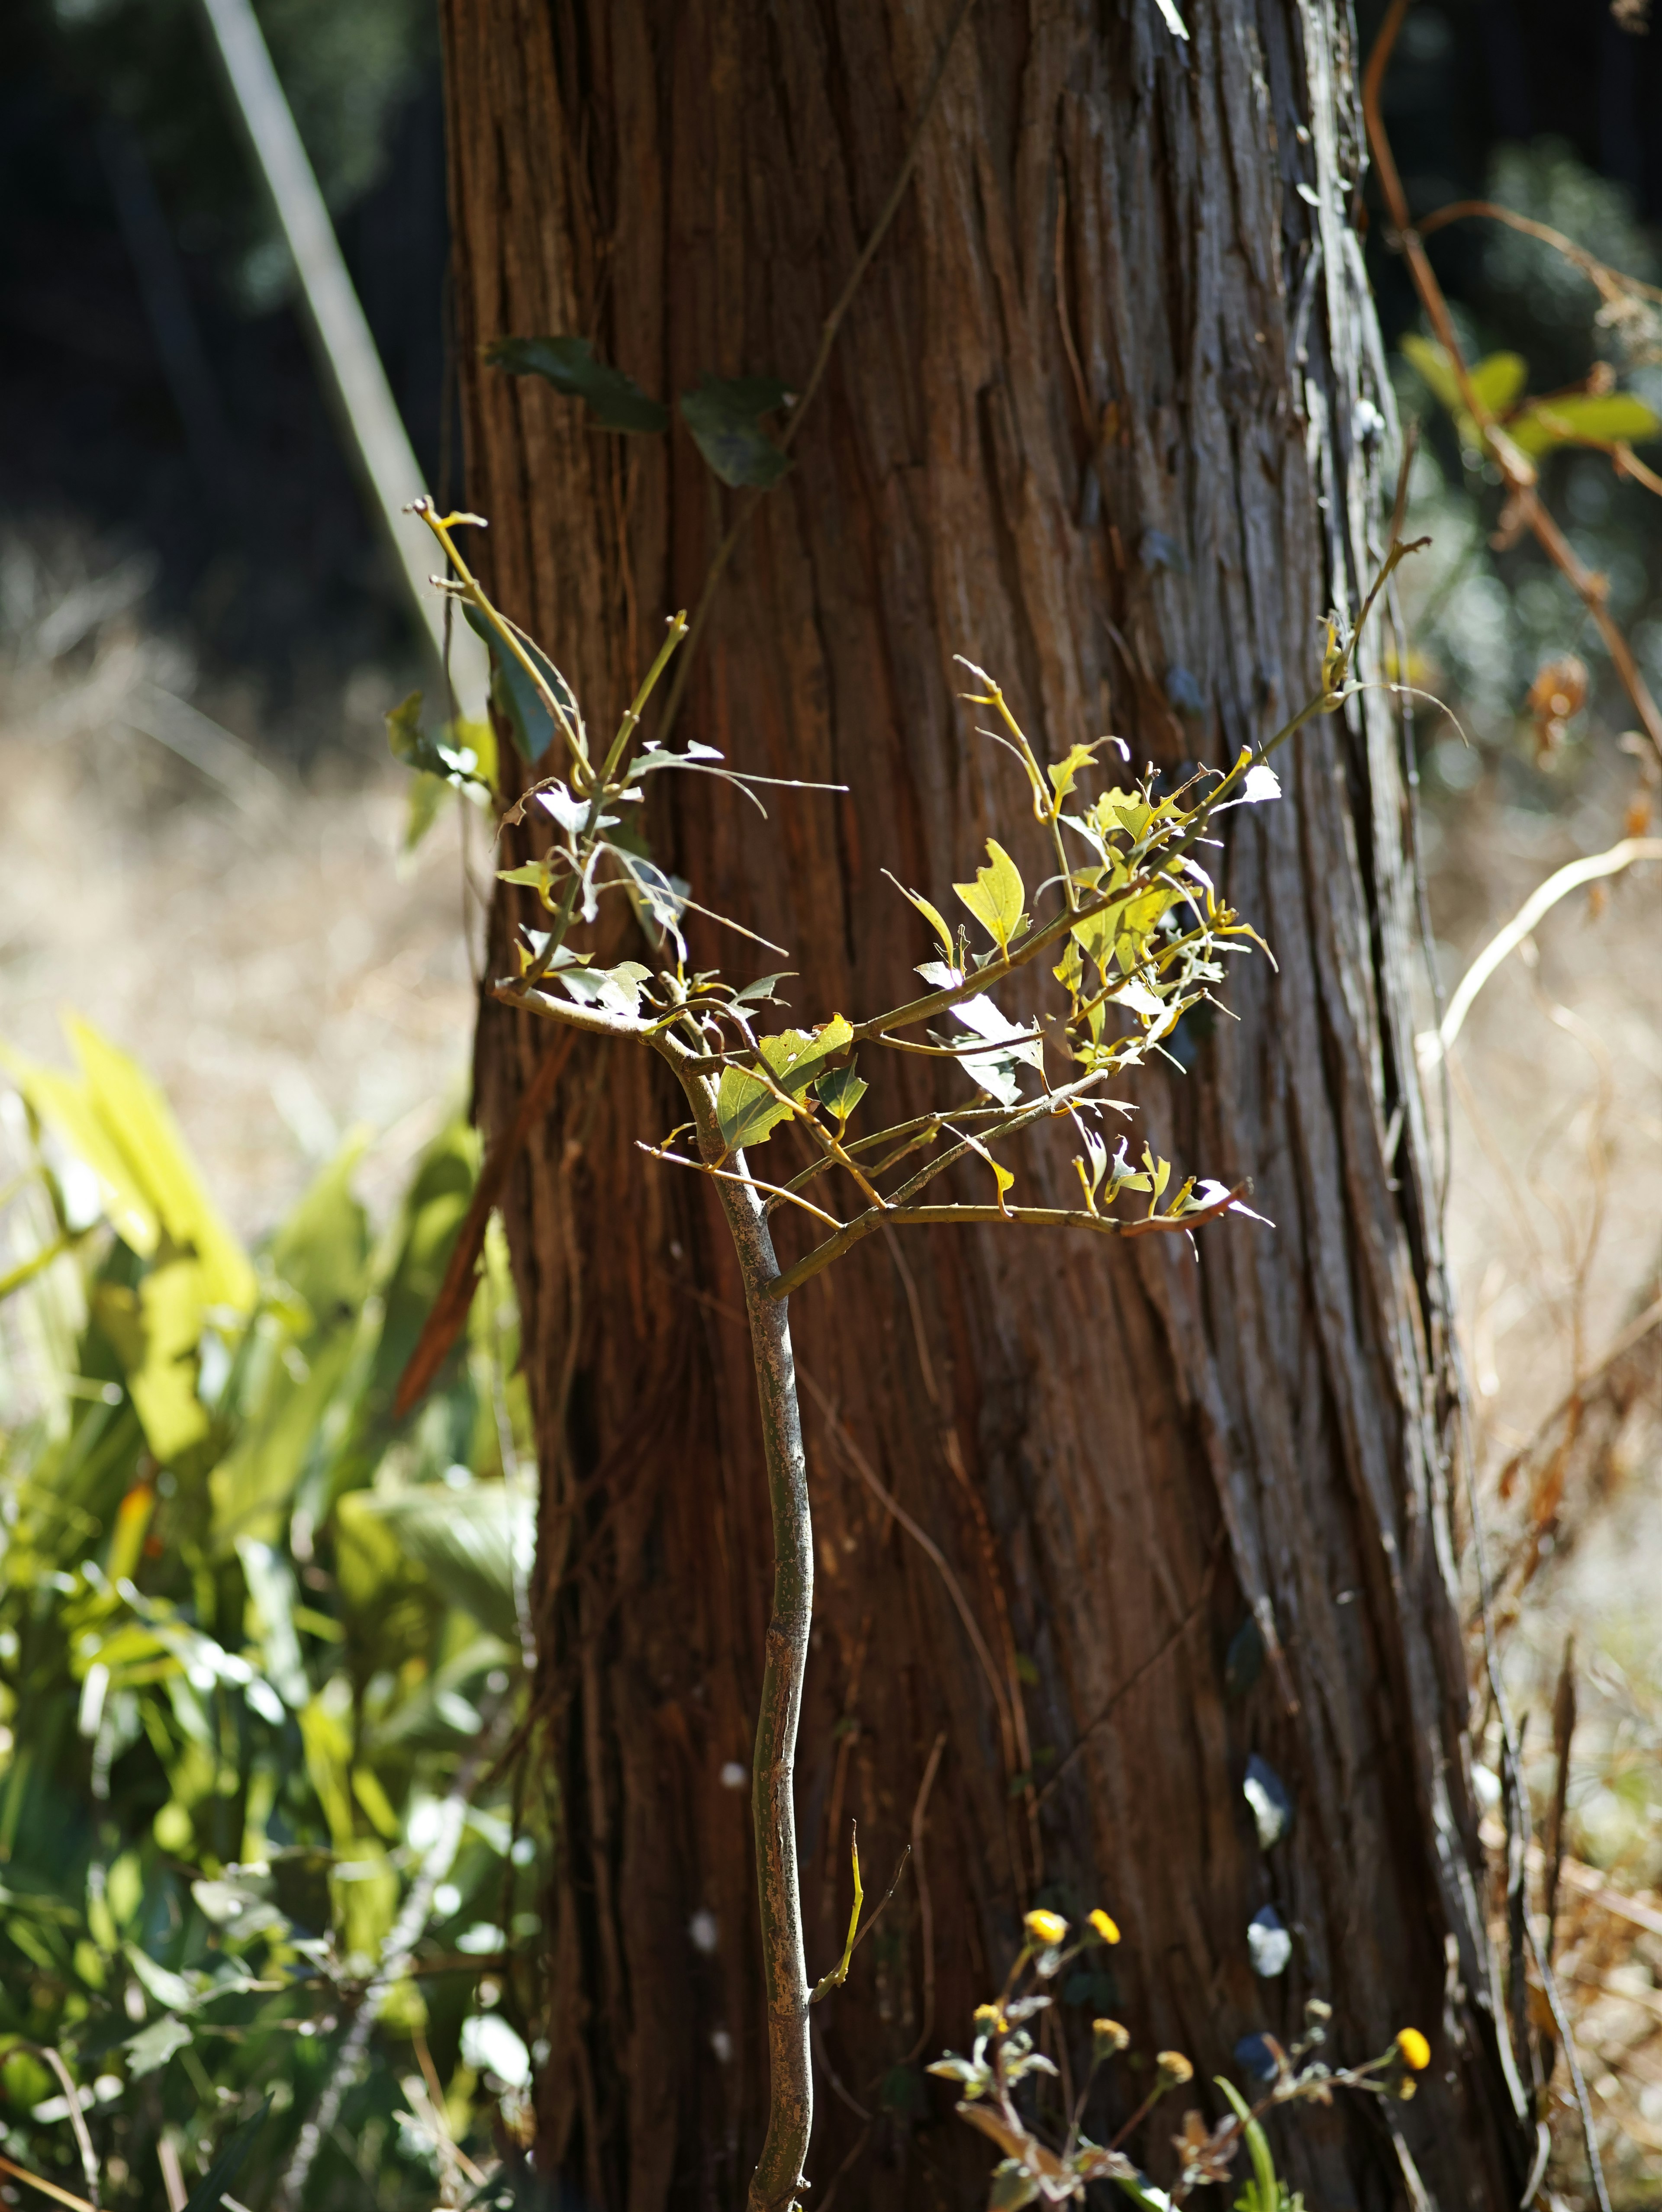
(1107,1928)
(1416,2051)
(989,2020)
(1046,1928)
(1108,2037)
(1174,2068)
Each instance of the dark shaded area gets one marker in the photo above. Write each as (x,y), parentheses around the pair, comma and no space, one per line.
(140,394)
(1468,74)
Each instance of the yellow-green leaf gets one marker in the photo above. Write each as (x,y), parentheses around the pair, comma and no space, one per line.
(1063,773)
(995,896)
(139,1128)
(932,915)
(1498,382)
(1610,418)
(747,1111)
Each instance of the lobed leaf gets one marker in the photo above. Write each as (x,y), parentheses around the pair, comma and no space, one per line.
(997,897)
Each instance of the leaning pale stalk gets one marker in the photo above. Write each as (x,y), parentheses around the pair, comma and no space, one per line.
(773,1807)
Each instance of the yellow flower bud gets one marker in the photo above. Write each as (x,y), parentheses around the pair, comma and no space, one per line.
(989,2020)
(1107,1928)
(1416,2051)
(1107,2037)
(1174,2068)
(1045,1928)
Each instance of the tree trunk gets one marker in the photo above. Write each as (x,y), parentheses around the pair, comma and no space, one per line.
(1108,415)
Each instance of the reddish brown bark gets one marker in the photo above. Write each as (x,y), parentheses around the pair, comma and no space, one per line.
(1097,418)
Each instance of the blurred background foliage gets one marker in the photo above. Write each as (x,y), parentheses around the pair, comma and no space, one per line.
(251,1643)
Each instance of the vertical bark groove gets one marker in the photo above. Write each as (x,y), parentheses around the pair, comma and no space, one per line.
(1119,1452)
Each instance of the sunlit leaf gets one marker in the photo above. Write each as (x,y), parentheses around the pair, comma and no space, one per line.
(1063,773)
(931,914)
(1610,418)
(747,1111)
(1498,379)
(997,897)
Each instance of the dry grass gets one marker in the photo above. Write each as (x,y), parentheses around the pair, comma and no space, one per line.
(1555,1226)
(247,931)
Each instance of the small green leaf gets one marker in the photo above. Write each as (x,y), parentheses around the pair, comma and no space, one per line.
(840,1092)
(725,417)
(761,992)
(1063,773)
(995,896)
(745,1110)
(1612,418)
(464,752)
(515,695)
(931,915)
(616,401)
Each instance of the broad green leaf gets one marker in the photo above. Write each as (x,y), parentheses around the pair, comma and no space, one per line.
(468,1540)
(253,1488)
(725,417)
(746,1111)
(615,990)
(995,896)
(322,1248)
(615,400)
(516,695)
(140,1125)
(155,1331)
(463,751)
(1612,418)
(1498,379)
(797,1058)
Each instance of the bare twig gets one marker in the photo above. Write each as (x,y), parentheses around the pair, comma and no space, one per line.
(72,2097)
(925,1912)
(46,2188)
(1432,1044)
